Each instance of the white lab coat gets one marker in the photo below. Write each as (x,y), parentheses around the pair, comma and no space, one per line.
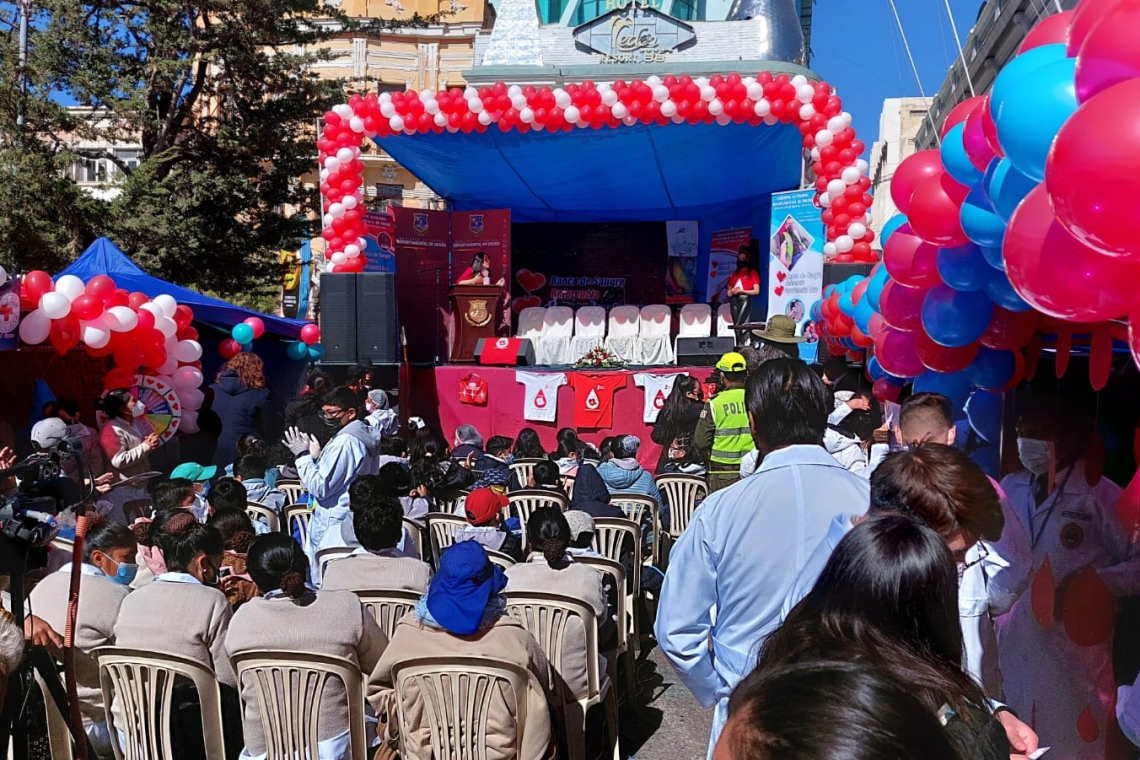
(741,553)
(1064,689)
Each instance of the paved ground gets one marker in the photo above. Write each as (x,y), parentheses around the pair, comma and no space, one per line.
(664,722)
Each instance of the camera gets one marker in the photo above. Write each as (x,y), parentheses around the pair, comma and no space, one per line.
(29,515)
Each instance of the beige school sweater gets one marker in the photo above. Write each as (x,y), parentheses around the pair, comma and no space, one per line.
(365,571)
(327,622)
(99,601)
(180,618)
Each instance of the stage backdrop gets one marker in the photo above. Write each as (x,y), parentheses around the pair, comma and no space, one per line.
(795,262)
(562,264)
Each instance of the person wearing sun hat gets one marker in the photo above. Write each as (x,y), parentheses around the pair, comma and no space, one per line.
(780,333)
(463,614)
(722,435)
(200,475)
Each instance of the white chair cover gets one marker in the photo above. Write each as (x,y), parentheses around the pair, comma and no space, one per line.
(724,322)
(653,344)
(589,331)
(696,321)
(625,324)
(530,323)
(554,344)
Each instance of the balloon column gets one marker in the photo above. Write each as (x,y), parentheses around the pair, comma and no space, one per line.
(141,335)
(842,185)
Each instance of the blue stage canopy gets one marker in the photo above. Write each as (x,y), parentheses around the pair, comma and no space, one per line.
(104,257)
(638,173)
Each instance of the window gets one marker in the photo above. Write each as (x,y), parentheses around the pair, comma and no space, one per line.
(131,158)
(550,11)
(588,10)
(685,10)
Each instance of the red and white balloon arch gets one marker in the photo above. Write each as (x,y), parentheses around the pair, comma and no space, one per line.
(842,183)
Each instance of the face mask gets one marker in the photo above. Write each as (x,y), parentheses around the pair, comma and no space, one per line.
(125,574)
(741,263)
(138,409)
(1036,454)
(332,421)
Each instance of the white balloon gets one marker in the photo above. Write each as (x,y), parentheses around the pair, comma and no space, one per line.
(856,230)
(70,286)
(191,398)
(824,200)
(167,303)
(153,308)
(55,305)
(336,210)
(168,366)
(844,243)
(440,120)
(356,124)
(349,201)
(835,123)
(723,119)
(815,155)
(166,326)
(708,93)
(327,220)
(677,119)
(850,175)
(187,377)
(344,110)
(836,187)
(609,97)
(562,98)
(861,165)
(189,422)
(35,327)
(807,110)
(518,101)
(96,333)
(660,93)
(514,91)
(847,118)
(716,108)
(344,155)
(823,138)
(669,109)
(188,351)
(572,114)
(396,123)
(3,275)
(653,80)
(804,93)
(339,257)
(475,105)
(332,163)
(485,118)
(526,115)
(619,111)
(352,250)
(121,318)
(629,121)
(352,254)
(755,90)
(771,120)
(762,107)
(431,105)
(799,79)
(829,249)
(387,110)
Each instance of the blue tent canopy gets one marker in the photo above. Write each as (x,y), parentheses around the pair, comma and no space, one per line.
(638,173)
(104,257)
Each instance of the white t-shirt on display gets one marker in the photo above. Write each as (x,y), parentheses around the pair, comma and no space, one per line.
(540,394)
(657,390)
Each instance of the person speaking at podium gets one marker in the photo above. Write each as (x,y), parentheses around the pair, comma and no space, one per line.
(479,273)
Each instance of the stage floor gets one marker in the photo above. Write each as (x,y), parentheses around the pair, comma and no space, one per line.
(437,389)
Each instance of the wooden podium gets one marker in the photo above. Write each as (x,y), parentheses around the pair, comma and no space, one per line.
(475,310)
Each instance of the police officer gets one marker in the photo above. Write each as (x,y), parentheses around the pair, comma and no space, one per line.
(722,434)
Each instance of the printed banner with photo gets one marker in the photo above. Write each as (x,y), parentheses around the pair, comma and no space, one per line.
(380,239)
(722,260)
(9,314)
(795,263)
(487,231)
(681,268)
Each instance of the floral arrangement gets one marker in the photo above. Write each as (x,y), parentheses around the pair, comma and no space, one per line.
(599,358)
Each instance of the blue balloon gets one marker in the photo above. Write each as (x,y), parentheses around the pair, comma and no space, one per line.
(297,351)
(984,411)
(1029,116)
(979,220)
(847,304)
(875,370)
(964,268)
(864,310)
(954,158)
(242,333)
(993,258)
(992,369)
(817,311)
(829,290)
(889,227)
(1006,187)
(953,385)
(1001,292)
(316,352)
(1008,79)
(954,319)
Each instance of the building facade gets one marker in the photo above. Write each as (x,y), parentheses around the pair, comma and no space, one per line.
(899,125)
(100,166)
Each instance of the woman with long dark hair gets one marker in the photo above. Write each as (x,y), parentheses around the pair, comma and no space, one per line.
(479,273)
(888,597)
(677,422)
(528,446)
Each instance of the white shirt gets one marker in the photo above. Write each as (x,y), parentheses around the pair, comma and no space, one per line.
(657,390)
(540,394)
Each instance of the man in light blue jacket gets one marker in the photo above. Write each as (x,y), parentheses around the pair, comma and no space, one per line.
(624,474)
(747,543)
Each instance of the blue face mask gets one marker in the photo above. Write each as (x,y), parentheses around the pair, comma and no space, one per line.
(125,574)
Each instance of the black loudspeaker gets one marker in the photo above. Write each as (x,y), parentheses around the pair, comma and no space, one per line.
(702,352)
(338,317)
(833,274)
(376,328)
(505,352)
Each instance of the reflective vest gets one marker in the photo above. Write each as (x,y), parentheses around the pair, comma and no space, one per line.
(732,439)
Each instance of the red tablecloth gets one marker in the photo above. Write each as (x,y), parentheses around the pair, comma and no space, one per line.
(435,398)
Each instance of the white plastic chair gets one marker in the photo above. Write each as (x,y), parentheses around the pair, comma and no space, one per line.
(589,331)
(530,324)
(557,329)
(416,532)
(724,322)
(297,519)
(143,683)
(525,502)
(624,620)
(523,468)
(442,528)
(387,606)
(327,555)
(263,514)
(611,536)
(653,344)
(548,618)
(498,558)
(455,696)
(681,493)
(636,506)
(288,687)
(624,327)
(293,490)
(695,322)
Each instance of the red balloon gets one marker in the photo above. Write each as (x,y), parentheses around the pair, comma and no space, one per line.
(885,390)
(137,299)
(959,113)
(118,298)
(1010,330)
(1110,54)
(1087,15)
(64,333)
(153,357)
(87,306)
(183,316)
(935,209)
(943,359)
(1058,274)
(875,325)
(910,174)
(862,340)
(1051,30)
(36,283)
(257,325)
(187,333)
(902,306)
(229,348)
(975,139)
(310,334)
(896,353)
(119,377)
(100,286)
(910,261)
(128,357)
(146,322)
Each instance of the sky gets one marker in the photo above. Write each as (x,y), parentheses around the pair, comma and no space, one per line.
(858,50)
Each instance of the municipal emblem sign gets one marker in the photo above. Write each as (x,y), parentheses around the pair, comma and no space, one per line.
(420,222)
(476,224)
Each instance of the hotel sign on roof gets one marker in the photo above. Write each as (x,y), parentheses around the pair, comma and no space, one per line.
(636,33)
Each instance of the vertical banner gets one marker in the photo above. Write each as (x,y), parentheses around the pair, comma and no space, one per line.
(380,239)
(681,268)
(722,261)
(422,280)
(9,313)
(489,232)
(290,262)
(795,262)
